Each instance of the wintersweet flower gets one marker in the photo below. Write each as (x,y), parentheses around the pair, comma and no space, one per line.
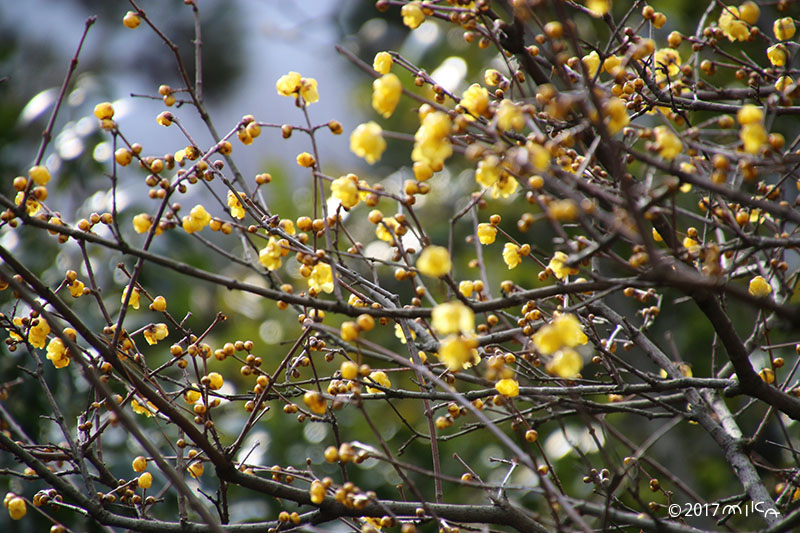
(237,210)
(308,90)
(492,77)
(505,186)
(345,189)
(288,84)
(315,401)
(784,28)
(669,145)
(488,171)
(197,219)
(412,14)
(367,142)
(142,223)
(566,363)
(777,55)
(511,255)
(143,409)
(466,288)
(386,230)
(475,100)
(509,116)
(563,332)
(616,115)
(39,173)
(592,62)
(379,377)
(452,317)
(155,332)
(749,12)
(558,265)
(386,92)
(507,387)
(32,206)
(270,256)
(598,8)
(134,299)
(759,287)
(486,233)
(668,64)
(750,114)
(458,352)
(734,28)
(753,137)
(434,261)
(321,278)
(383,62)
(431,142)
(57,353)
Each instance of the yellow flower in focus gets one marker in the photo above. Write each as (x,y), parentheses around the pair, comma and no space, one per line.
(668,64)
(434,261)
(431,142)
(37,334)
(669,145)
(452,317)
(734,28)
(511,255)
(288,84)
(237,210)
(308,90)
(486,233)
(784,28)
(412,14)
(592,62)
(509,116)
(566,363)
(505,186)
(104,111)
(616,115)
(155,332)
(386,92)
(466,288)
(458,352)
(507,387)
(270,255)
(753,137)
(379,377)
(142,223)
(76,288)
(197,219)
(492,77)
(750,114)
(759,287)
(345,189)
(321,278)
(383,62)
(39,173)
(134,300)
(475,100)
(17,508)
(57,353)
(777,55)
(215,380)
(305,160)
(367,142)
(558,265)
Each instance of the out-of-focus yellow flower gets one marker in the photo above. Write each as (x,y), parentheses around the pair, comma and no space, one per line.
(466,288)
(558,265)
(598,8)
(386,230)
(488,171)
(32,206)
(237,210)
(141,409)
(383,62)
(486,233)
(458,352)
(398,332)
(511,255)
(505,186)
(142,223)
(308,90)
(475,100)
(566,363)
(759,287)
(452,317)
(509,116)
(367,142)
(507,387)
(345,189)
(749,12)
(412,14)
(321,278)
(753,137)
(750,114)
(616,115)
(155,332)
(492,77)
(592,62)
(386,92)
(563,332)
(669,145)
(434,261)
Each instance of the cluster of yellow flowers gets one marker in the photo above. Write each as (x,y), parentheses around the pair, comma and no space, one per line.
(197,219)
(292,84)
(559,338)
(431,142)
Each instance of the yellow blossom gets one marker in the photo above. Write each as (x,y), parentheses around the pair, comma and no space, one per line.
(345,189)
(76,288)
(669,145)
(270,255)
(777,55)
(386,92)
(668,64)
(732,26)
(142,409)
(386,230)
(486,233)
(511,255)
(753,137)
(32,206)
(563,332)
(784,84)
(367,142)
(431,142)
(17,508)
(434,261)
(592,62)
(749,12)
(509,116)
(616,115)
(784,28)
(488,171)
(492,77)
(691,245)
(466,288)
(215,380)
(155,332)
(558,265)
(315,401)
(458,352)
(196,469)
(308,90)
(759,287)
(104,111)
(507,387)
(321,278)
(37,334)
(749,114)
(538,155)
(452,317)
(379,377)
(288,84)
(145,481)
(142,223)
(306,160)
(197,219)
(237,210)
(39,174)
(598,8)
(412,14)
(134,299)
(611,63)
(505,186)
(57,353)
(475,100)
(398,332)
(383,62)
(566,363)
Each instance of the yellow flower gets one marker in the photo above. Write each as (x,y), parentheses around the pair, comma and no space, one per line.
(308,90)
(104,110)
(511,255)
(566,363)
(784,28)
(431,142)
(564,331)
(598,8)
(145,480)
(434,261)
(237,210)
(398,332)
(32,206)
(458,352)
(492,77)
(668,63)
(592,62)
(753,137)
(215,380)
(142,223)
(759,287)
(777,55)
(315,401)
(134,300)
(488,171)
(669,145)
(466,288)
(538,155)
(732,26)
(505,186)
(611,63)
(475,100)
(486,233)
(749,12)
(507,387)
(386,92)
(195,469)
(386,230)
(749,114)
(691,245)
(321,278)
(412,14)
(784,83)
(379,377)
(197,219)
(616,115)
(509,116)
(141,409)
(367,142)
(39,174)
(305,160)
(155,332)
(345,189)
(452,317)
(558,265)
(17,508)
(288,84)
(37,334)
(270,255)
(76,288)
(383,62)
(57,353)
